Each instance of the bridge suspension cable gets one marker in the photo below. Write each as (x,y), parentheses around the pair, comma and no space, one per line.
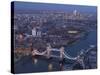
(69,57)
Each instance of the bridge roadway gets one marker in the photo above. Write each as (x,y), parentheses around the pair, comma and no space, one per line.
(66,55)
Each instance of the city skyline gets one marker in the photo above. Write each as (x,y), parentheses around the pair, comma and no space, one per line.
(50,6)
(55,37)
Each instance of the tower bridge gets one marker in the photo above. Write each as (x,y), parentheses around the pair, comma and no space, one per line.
(79,58)
(61,50)
(48,53)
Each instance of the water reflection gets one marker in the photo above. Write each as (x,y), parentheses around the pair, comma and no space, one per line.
(50,67)
(35,60)
(61,66)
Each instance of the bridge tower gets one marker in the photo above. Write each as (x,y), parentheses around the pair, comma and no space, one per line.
(61,53)
(48,51)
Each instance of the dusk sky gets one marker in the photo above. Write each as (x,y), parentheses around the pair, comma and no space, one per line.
(48,6)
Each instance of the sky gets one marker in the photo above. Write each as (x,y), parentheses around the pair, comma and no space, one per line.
(48,6)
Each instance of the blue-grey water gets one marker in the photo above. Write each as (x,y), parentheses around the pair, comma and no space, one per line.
(28,64)
(83,43)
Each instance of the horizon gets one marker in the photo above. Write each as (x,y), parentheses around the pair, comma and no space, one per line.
(53,7)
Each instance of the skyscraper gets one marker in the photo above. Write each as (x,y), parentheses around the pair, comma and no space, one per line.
(75,12)
(34,32)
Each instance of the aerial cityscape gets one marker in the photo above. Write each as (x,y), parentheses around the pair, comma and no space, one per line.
(54,37)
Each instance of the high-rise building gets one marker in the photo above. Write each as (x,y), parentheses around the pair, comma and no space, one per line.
(75,12)
(34,32)
(38,32)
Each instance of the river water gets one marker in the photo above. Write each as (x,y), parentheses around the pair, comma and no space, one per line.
(39,64)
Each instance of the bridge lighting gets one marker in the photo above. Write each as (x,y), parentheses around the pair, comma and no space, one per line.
(50,67)
(81,52)
(35,61)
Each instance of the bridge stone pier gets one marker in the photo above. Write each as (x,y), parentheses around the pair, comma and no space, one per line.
(48,51)
(61,53)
